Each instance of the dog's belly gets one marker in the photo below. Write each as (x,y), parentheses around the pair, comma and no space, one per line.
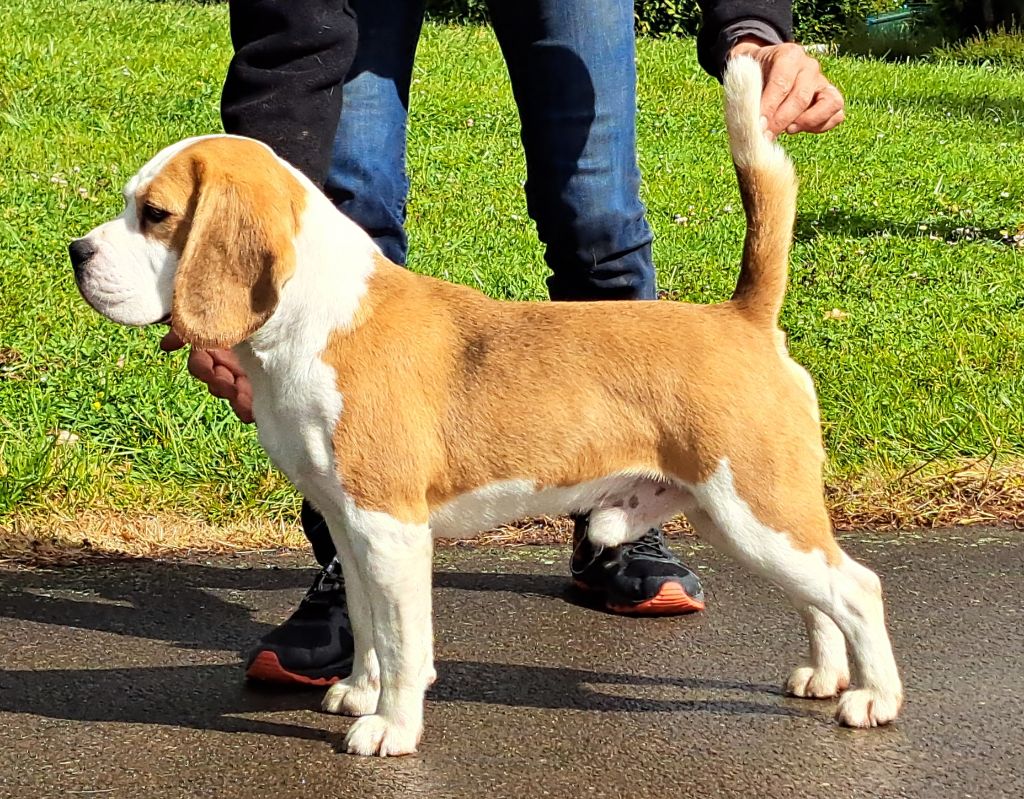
(630,499)
(298,440)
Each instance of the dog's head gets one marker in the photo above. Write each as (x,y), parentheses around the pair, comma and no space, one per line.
(206,241)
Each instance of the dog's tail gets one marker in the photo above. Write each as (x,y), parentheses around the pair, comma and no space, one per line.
(768,188)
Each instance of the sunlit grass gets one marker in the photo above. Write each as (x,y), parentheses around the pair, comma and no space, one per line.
(905,302)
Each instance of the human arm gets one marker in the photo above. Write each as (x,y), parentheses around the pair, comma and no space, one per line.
(220,371)
(797,97)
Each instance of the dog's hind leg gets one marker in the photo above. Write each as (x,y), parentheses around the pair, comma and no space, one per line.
(393,560)
(856,606)
(814,572)
(826,673)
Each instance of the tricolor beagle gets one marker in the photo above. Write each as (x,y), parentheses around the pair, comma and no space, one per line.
(405,407)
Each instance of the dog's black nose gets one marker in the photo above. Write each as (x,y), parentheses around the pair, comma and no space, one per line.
(80,251)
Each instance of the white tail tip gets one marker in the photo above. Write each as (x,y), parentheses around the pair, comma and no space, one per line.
(748,141)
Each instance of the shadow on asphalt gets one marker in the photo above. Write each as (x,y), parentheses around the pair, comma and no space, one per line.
(172,602)
(215,698)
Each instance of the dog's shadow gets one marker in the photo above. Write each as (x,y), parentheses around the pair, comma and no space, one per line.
(173,602)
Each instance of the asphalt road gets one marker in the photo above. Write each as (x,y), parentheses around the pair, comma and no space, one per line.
(123,680)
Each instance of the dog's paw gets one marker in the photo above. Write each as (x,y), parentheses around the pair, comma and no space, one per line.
(378,735)
(353,696)
(817,683)
(868,707)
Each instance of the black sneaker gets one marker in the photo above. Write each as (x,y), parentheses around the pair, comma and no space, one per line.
(314,646)
(642,577)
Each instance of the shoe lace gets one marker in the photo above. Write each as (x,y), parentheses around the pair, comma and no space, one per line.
(650,545)
(328,582)
(584,553)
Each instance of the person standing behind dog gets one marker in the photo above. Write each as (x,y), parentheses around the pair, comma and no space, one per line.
(573,73)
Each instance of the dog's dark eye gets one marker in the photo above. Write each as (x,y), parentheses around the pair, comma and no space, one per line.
(151,213)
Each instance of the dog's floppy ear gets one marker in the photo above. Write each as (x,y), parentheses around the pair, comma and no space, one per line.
(239,250)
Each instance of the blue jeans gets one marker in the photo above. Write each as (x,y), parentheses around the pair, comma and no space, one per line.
(573,70)
(572,64)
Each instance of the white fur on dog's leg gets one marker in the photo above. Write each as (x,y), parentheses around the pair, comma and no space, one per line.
(393,558)
(860,614)
(868,707)
(357,694)
(848,593)
(353,696)
(827,672)
(377,735)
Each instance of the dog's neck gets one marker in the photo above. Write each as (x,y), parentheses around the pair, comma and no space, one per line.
(334,259)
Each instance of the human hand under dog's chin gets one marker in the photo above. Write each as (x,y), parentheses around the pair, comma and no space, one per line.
(220,371)
(797,98)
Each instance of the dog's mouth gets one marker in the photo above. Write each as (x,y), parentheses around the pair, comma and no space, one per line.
(164,320)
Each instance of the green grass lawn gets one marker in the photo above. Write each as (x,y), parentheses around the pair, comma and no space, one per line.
(913,333)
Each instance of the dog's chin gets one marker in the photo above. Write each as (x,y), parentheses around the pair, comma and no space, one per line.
(164,320)
(125,314)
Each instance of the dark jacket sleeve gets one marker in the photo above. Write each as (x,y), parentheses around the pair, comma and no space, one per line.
(724,21)
(283,85)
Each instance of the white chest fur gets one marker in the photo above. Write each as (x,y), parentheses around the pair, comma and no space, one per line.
(296,401)
(296,411)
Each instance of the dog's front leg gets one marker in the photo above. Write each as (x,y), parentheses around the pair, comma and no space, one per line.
(393,561)
(357,694)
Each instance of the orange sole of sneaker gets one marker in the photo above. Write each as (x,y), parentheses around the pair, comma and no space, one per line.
(267,668)
(671,600)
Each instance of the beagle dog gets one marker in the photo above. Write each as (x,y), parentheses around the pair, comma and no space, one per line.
(406,407)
